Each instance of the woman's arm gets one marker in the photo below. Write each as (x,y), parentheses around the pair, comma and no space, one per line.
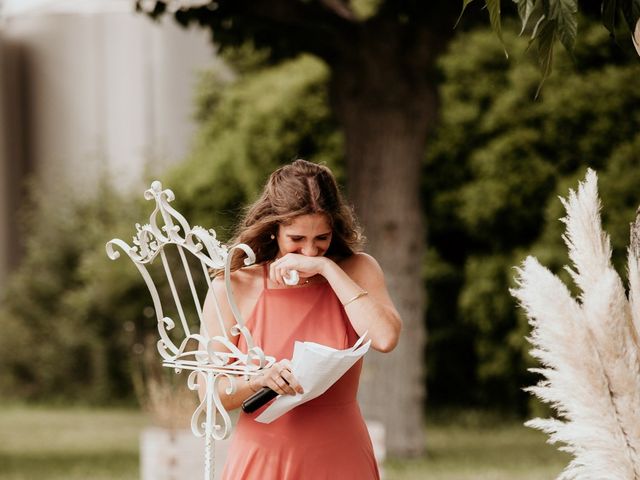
(213,327)
(278,377)
(374,312)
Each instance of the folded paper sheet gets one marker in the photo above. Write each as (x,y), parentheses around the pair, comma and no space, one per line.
(316,367)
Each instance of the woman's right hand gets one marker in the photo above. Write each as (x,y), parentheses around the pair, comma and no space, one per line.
(278,378)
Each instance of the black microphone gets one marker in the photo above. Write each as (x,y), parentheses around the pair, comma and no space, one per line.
(258,399)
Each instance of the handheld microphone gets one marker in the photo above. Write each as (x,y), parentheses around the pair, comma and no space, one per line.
(258,399)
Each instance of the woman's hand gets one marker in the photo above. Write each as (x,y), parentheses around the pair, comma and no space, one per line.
(305,266)
(278,378)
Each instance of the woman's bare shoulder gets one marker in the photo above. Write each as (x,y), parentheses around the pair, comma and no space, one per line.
(360,264)
(243,280)
(246,285)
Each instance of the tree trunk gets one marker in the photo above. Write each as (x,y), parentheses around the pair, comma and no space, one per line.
(383,92)
(386,118)
(385,190)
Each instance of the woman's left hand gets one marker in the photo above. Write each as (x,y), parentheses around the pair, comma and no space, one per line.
(305,266)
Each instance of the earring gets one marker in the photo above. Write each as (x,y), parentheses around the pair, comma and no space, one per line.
(273,237)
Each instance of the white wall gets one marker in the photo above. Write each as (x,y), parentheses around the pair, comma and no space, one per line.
(108,92)
(94,92)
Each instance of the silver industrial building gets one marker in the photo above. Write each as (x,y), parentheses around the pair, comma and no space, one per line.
(90,88)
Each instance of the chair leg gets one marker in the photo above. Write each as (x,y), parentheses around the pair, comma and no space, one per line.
(209,450)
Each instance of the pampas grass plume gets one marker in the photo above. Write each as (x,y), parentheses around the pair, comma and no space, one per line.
(587,346)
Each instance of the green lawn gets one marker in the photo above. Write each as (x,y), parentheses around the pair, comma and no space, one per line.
(74,444)
(70,444)
(479,447)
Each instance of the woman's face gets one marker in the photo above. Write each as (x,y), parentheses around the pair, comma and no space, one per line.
(308,235)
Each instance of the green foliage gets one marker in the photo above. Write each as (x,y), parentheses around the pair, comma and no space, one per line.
(263,120)
(244,59)
(547,21)
(494,17)
(365,9)
(615,10)
(65,309)
(493,174)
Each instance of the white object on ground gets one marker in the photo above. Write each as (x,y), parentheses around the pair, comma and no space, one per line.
(316,367)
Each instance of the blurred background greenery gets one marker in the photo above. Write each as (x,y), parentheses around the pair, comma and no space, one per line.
(74,324)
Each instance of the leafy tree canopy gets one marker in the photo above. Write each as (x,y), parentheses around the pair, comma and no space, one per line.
(546,22)
(497,164)
(290,27)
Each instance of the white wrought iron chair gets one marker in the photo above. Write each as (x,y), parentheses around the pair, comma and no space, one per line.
(189,346)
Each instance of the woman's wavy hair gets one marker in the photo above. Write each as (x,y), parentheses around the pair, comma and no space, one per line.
(299,188)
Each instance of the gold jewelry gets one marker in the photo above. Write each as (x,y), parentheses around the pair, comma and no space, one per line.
(359,295)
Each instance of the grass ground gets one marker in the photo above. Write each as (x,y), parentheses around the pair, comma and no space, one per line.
(74,444)
(70,444)
(475,446)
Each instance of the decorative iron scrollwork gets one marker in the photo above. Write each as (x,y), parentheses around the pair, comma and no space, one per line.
(207,364)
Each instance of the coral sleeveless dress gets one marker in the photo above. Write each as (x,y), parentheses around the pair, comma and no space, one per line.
(324,438)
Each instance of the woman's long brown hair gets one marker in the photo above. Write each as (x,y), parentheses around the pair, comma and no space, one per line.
(299,188)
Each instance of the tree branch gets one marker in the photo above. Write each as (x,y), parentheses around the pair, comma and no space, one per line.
(286,26)
(314,27)
(340,8)
(294,12)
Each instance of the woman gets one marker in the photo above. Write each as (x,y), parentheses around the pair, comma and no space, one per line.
(302,223)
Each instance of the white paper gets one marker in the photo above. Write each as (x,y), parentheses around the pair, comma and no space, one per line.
(316,367)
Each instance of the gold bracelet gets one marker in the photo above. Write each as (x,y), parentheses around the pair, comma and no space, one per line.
(359,295)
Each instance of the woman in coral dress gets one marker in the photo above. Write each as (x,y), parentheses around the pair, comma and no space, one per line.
(302,223)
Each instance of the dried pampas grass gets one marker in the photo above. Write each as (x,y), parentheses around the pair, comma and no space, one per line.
(587,346)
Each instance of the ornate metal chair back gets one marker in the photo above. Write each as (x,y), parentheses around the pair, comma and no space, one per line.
(184,342)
